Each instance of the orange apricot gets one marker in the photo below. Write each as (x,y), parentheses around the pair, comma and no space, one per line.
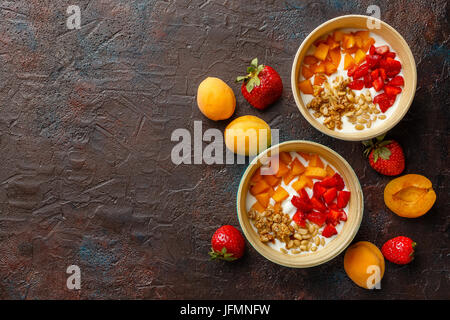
(280,194)
(409,196)
(361,261)
(315,173)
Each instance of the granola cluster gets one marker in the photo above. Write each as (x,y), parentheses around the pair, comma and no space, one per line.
(335,101)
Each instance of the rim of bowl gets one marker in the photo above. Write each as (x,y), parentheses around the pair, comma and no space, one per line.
(343,246)
(342,135)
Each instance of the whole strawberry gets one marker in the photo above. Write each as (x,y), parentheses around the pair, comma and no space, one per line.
(262,86)
(386,157)
(399,250)
(227,244)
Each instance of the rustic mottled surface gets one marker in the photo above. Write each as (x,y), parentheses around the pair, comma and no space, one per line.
(85,123)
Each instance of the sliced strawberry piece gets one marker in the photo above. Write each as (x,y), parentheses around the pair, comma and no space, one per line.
(343,216)
(393,64)
(392,73)
(378,84)
(375,73)
(384,101)
(383,74)
(351,71)
(330,195)
(397,81)
(333,216)
(299,219)
(356,84)
(392,91)
(361,71)
(304,204)
(373,60)
(382,50)
(317,218)
(390,54)
(368,81)
(339,181)
(318,189)
(318,204)
(343,198)
(329,231)
(372,49)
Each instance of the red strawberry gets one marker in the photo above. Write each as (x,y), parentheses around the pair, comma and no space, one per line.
(318,204)
(329,231)
(262,86)
(334,216)
(318,189)
(386,157)
(399,250)
(381,50)
(392,91)
(302,203)
(343,198)
(397,81)
(227,244)
(316,217)
(299,219)
(330,195)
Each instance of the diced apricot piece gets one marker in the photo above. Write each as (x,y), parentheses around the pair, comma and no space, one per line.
(318,68)
(309,60)
(306,72)
(321,51)
(305,155)
(348,61)
(315,173)
(329,170)
(256,177)
(320,40)
(410,196)
(330,68)
(271,180)
(277,207)
(359,260)
(348,41)
(271,191)
(358,42)
(331,43)
(280,194)
(319,79)
(315,161)
(351,50)
(258,207)
(360,56)
(259,187)
(263,199)
(306,87)
(367,43)
(297,167)
(302,182)
(285,157)
(335,56)
(282,170)
(363,34)
(288,178)
(338,35)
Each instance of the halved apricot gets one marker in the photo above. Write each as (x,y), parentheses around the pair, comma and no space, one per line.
(361,261)
(410,196)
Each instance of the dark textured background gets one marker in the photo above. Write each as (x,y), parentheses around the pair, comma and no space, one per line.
(85,123)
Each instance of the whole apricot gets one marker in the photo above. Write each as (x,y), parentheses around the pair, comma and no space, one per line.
(247,135)
(215,99)
(409,196)
(361,262)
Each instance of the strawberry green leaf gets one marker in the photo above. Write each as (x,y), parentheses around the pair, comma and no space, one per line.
(384,153)
(254,62)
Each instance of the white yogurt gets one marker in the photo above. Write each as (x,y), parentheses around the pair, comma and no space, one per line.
(289,208)
(346,125)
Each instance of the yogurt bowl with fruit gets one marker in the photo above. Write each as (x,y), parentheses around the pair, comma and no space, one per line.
(352,82)
(299,204)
